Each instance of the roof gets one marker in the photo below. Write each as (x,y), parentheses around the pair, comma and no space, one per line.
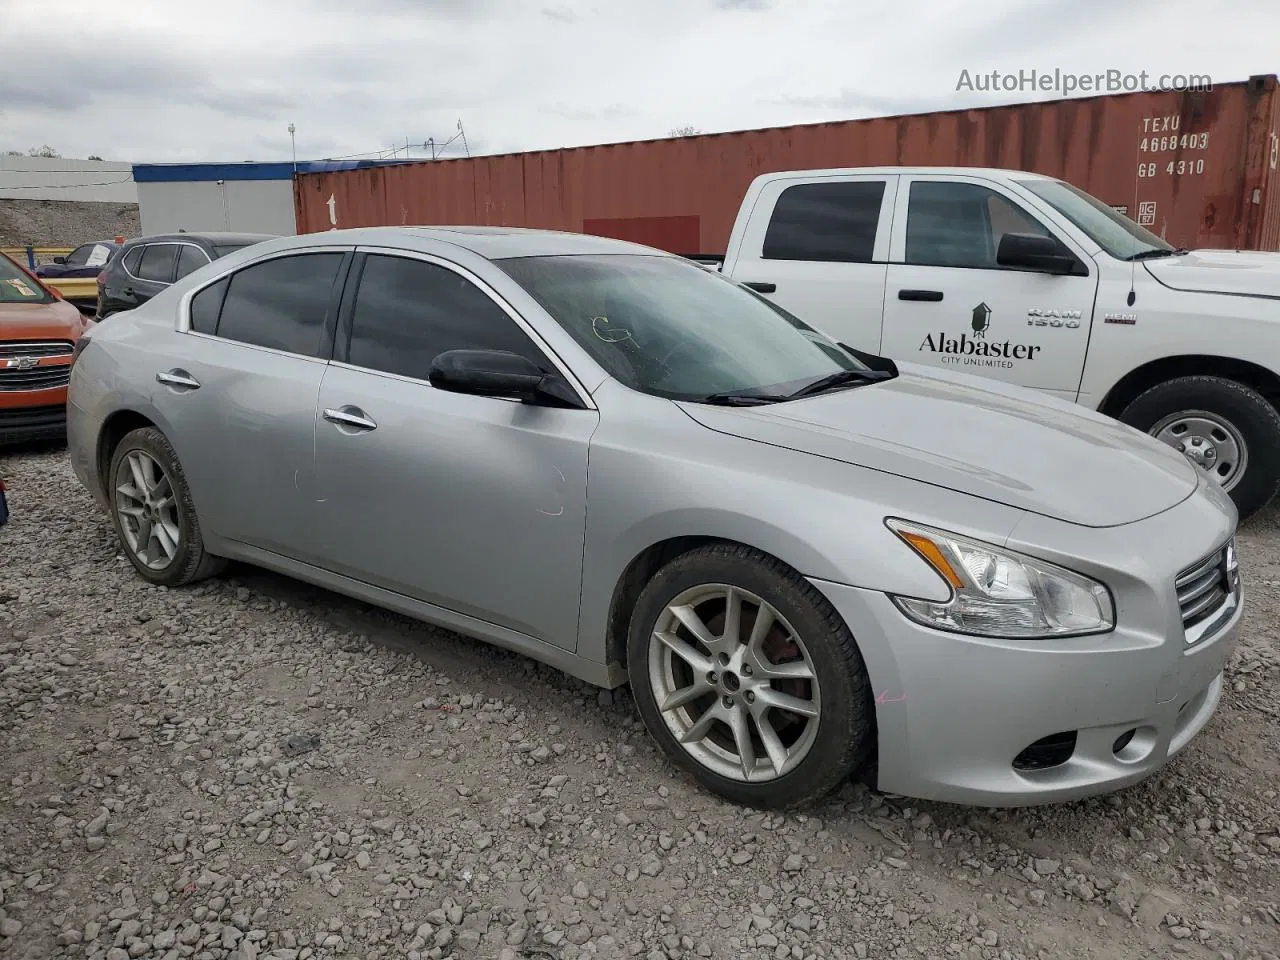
(492,243)
(906,171)
(247,170)
(215,237)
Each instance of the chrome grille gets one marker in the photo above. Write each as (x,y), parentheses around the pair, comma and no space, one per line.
(37,378)
(1204,589)
(12,349)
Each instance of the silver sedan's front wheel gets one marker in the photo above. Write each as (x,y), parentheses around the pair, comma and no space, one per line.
(735,682)
(748,678)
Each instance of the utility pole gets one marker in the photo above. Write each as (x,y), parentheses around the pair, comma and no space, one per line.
(293,144)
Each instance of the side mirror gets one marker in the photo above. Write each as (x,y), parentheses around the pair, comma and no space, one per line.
(497,373)
(59,259)
(1033,252)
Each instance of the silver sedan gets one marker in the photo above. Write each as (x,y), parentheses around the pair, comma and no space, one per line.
(806,561)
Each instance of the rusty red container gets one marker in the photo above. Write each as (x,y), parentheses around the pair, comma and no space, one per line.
(1197,167)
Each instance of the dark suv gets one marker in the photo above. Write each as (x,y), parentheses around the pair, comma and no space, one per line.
(147,265)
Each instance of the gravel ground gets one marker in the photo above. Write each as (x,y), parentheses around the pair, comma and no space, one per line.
(253,768)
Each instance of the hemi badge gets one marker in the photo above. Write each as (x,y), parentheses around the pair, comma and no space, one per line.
(1128,319)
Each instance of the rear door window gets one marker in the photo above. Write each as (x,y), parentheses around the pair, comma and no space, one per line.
(826,222)
(281,303)
(158,262)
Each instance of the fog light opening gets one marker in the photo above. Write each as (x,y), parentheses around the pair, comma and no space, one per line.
(1047,752)
(1136,745)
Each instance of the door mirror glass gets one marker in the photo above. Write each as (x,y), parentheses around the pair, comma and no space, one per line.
(498,373)
(1031,252)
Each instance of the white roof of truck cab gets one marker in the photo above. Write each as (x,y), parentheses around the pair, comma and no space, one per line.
(995,172)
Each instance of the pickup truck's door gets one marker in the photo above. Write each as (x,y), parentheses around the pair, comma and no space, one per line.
(947,303)
(818,246)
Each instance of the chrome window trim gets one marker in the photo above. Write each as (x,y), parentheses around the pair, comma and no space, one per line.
(182,323)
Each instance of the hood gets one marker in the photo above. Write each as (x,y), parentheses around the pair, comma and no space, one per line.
(1248,272)
(1006,445)
(40,321)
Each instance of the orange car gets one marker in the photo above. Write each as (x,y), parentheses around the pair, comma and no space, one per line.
(38,332)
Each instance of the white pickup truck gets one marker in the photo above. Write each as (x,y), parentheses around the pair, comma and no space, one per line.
(1026,279)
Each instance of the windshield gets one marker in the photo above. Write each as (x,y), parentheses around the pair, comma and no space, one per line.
(1108,228)
(17,287)
(669,328)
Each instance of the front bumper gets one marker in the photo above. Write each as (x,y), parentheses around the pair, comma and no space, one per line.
(953,712)
(25,424)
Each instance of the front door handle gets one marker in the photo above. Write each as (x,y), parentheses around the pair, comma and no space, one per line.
(350,417)
(178,378)
(760,286)
(928,296)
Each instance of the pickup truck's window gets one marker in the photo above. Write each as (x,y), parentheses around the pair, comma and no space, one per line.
(157,262)
(408,312)
(1108,228)
(281,303)
(206,305)
(190,259)
(667,327)
(954,224)
(829,222)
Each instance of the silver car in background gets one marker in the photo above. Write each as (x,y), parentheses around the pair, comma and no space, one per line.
(805,561)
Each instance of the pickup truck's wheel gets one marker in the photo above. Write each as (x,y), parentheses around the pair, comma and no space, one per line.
(748,678)
(1227,428)
(152,511)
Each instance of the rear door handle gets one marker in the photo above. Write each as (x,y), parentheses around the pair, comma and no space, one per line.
(929,296)
(760,287)
(350,417)
(178,378)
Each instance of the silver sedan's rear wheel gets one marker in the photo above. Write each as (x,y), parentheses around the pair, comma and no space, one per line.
(153,513)
(148,510)
(748,678)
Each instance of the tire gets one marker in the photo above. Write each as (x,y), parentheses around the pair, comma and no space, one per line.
(821,751)
(187,561)
(1239,410)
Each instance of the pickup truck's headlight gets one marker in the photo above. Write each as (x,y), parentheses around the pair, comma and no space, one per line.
(998,593)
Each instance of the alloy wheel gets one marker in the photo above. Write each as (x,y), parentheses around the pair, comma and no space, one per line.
(148,510)
(734,683)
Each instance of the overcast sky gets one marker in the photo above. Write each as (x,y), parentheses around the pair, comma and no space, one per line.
(177,80)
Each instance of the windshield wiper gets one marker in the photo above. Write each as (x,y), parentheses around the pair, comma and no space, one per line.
(731,399)
(842,378)
(1156,254)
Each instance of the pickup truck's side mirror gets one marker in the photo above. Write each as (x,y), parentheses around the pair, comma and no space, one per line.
(59,259)
(1030,251)
(498,373)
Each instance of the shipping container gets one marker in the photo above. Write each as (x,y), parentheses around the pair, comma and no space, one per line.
(1197,167)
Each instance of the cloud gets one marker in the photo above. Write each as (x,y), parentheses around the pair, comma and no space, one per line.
(152,83)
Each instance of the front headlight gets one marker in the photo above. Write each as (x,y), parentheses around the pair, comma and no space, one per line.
(998,593)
